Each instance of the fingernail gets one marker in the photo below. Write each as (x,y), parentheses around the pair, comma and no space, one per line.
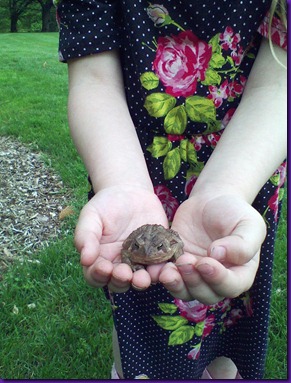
(185,268)
(218,253)
(138,288)
(205,269)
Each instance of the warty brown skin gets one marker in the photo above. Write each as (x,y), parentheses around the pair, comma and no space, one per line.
(151,244)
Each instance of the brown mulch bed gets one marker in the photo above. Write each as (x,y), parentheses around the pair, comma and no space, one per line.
(32,201)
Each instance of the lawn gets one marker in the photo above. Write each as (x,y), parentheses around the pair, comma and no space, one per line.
(52,325)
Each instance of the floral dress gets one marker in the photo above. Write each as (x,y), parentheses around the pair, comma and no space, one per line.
(185,66)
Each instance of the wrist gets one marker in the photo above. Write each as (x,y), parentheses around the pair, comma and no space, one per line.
(206,189)
(129,184)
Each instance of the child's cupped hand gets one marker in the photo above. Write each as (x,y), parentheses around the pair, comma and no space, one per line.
(222,237)
(104,223)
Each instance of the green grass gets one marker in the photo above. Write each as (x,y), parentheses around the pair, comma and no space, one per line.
(276,367)
(33,99)
(67,335)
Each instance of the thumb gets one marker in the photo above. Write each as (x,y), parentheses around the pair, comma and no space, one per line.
(88,233)
(242,244)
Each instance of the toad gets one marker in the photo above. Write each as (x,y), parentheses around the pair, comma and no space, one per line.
(151,244)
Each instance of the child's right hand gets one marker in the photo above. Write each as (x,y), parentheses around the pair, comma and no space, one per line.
(104,223)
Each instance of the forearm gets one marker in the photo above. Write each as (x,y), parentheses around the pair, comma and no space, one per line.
(254,142)
(100,123)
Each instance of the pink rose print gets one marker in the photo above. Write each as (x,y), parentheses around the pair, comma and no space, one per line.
(222,305)
(248,303)
(180,62)
(197,141)
(282,173)
(212,139)
(278,31)
(227,117)
(229,40)
(218,94)
(236,88)
(234,316)
(209,324)
(273,204)
(194,353)
(226,90)
(194,311)
(170,204)
(157,13)
(189,184)
(175,137)
(237,56)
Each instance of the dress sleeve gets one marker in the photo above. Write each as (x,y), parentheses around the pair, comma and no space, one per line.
(87,27)
(278,31)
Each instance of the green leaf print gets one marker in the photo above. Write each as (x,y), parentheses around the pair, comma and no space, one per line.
(172,164)
(195,170)
(168,308)
(188,152)
(160,147)
(275,179)
(191,154)
(159,104)
(149,80)
(213,126)
(182,335)
(281,194)
(199,328)
(214,42)
(168,322)
(217,60)
(183,149)
(200,109)
(211,77)
(176,120)
(230,60)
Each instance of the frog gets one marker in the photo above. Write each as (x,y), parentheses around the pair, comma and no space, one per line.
(151,244)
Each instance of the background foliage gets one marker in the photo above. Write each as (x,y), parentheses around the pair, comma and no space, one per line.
(27,16)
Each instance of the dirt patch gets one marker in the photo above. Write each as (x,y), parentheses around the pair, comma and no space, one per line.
(31,198)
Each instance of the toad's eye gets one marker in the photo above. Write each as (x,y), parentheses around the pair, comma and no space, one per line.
(135,246)
(160,247)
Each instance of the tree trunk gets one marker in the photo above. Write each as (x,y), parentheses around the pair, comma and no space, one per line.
(45,15)
(13,23)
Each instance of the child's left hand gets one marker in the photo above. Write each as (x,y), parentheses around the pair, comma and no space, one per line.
(222,237)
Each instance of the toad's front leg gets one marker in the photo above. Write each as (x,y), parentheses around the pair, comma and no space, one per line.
(126,258)
(178,251)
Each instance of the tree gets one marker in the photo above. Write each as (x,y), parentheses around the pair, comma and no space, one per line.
(46,6)
(16,8)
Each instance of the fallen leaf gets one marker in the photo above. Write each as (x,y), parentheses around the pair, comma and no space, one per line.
(66,212)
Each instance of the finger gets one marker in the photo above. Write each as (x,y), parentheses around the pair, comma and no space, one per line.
(173,282)
(121,277)
(197,287)
(228,282)
(141,280)
(99,273)
(88,233)
(235,243)
(89,248)
(154,271)
(184,282)
(244,242)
